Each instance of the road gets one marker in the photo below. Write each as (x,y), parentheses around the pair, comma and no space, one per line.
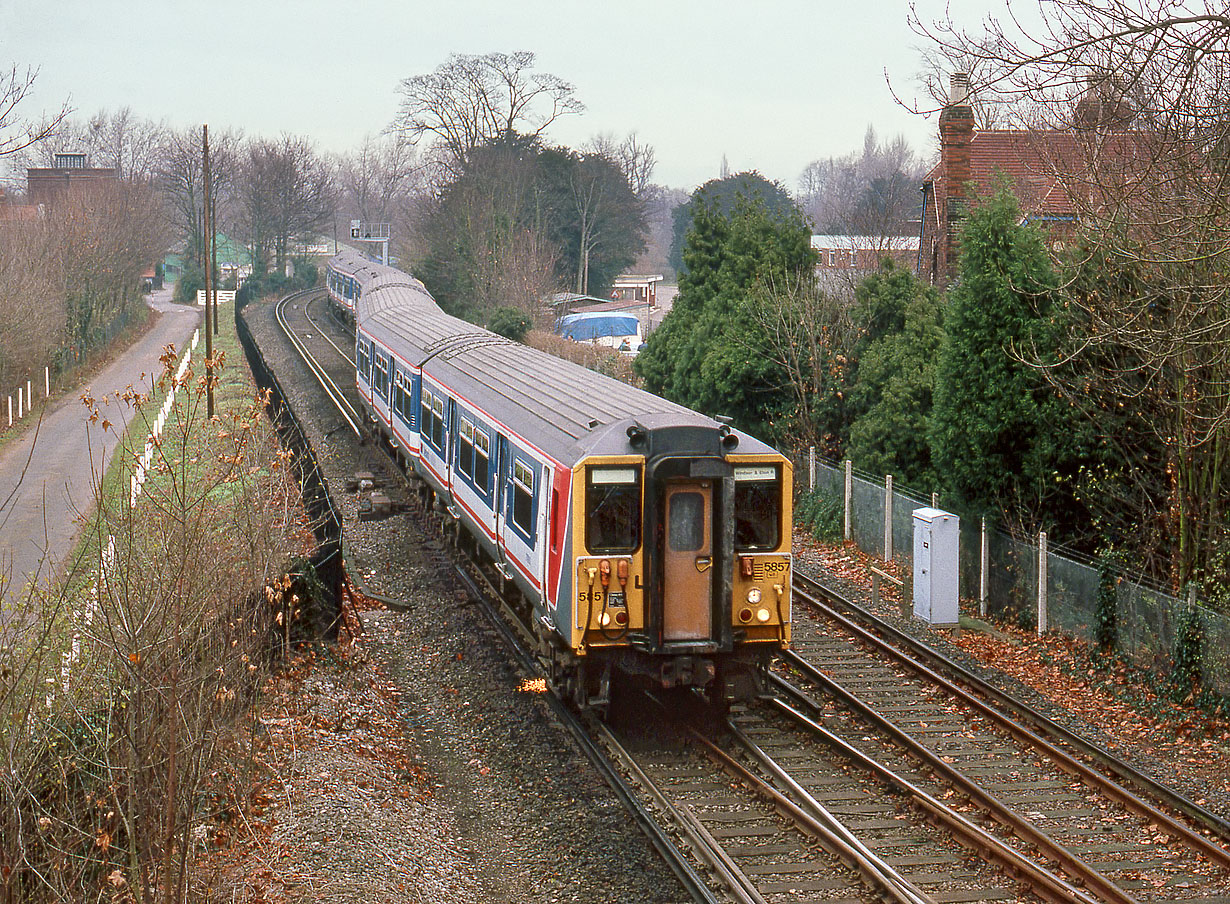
(48,475)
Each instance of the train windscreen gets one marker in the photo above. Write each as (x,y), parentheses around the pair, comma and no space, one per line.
(613,511)
(758,511)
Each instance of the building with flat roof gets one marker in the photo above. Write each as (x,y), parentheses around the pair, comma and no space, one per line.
(71,173)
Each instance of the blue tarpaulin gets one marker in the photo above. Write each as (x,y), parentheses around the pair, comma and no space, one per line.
(596,325)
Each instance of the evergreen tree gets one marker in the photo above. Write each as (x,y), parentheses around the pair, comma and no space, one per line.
(722,195)
(998,431)
(710,352)
(890,401)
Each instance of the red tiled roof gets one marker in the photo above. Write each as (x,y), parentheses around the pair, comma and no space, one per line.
(1033,161)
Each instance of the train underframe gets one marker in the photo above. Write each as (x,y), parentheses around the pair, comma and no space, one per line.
(722,677)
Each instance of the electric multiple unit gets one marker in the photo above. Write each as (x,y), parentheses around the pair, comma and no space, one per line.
(641,537)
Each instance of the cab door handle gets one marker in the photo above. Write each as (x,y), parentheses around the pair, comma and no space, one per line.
(703,563)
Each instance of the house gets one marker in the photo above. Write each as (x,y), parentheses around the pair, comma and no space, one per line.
(860,254)
(636,288)
(234,261)
(1039,164)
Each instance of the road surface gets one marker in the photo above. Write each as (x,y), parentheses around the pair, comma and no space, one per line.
(48,476)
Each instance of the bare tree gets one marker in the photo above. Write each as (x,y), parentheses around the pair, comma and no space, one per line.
(180,177)
(471,100)
(937,65)
(130,144)
(376,181)
(105,236)
(285,193)
(635,158)
(872,193)
(810,335)
(32,312)
(17,134)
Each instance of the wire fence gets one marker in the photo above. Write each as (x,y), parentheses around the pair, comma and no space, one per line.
(999,576)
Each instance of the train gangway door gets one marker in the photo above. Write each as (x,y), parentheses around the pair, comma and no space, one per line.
(687,592)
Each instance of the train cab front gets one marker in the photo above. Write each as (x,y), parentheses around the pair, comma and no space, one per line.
(685,580)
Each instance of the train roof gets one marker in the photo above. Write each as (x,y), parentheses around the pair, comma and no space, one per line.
(565,409)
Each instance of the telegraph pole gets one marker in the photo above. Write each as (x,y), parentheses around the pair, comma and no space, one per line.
(209,335)
(213,244)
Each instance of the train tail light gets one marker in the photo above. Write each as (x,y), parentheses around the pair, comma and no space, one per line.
(745,615)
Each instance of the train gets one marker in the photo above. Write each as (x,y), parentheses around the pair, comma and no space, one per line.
(639,540)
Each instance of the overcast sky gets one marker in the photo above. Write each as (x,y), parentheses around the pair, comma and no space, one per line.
(770,84)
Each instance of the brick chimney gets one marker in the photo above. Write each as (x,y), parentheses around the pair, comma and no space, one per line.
(956,135)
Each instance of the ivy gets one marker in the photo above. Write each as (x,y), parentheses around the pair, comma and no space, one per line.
(1188,674)
(1106,615)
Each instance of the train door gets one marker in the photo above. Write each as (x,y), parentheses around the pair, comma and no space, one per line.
(687,567)
(450,452)
(500,499)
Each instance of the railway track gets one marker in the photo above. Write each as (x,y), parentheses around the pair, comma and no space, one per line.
(1080,818)
(865,779)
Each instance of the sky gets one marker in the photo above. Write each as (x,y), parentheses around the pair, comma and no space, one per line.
(768,85)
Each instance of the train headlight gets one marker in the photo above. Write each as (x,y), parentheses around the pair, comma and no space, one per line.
(762,615)
(753,595)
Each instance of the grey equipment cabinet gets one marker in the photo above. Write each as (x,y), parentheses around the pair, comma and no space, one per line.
(937,544)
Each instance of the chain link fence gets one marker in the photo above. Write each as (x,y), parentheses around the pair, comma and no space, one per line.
(1003,583)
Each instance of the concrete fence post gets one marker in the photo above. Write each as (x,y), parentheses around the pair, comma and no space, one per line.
(1043,615)
(849,498)
(811,468)
(47,382)
(888,517)
(983,570)
(19,408)
(10,411)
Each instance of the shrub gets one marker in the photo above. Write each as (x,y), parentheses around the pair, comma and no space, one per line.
(189,283)
(510,323)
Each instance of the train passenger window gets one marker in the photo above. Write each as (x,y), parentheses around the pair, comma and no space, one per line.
(482,457)
(364,360)
(465,450)
(425,409)
(437,423)
(523,497)
(686,522)
(758,508)
(613,510)
(381,377)
(401,397)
